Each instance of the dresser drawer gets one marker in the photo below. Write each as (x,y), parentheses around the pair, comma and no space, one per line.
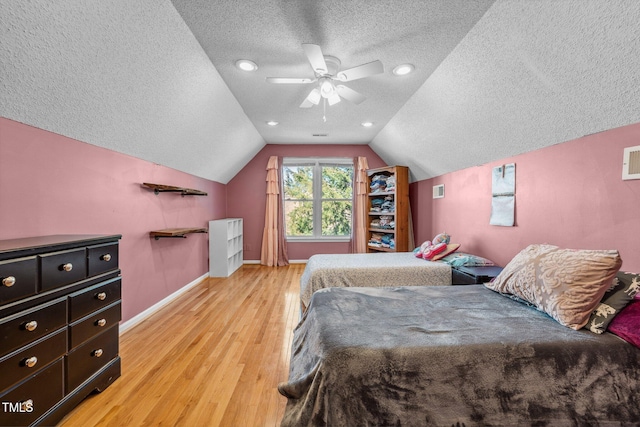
(54,289)
(94,298)
(93,324)
(29,325)
(87,359)
(32,398)
(102,258)
(29,360)
(61,268)
(18,278)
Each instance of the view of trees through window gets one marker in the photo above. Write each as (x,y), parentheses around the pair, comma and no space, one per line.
(318,199)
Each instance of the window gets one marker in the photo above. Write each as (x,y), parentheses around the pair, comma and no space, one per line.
(317,198)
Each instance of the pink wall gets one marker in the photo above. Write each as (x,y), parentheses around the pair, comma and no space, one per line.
(246,196)
(571,195)
(50,184)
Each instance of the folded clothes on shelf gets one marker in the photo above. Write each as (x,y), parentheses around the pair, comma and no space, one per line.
(378,183)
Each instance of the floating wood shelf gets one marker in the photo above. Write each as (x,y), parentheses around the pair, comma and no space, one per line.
(161,188)
(176,232)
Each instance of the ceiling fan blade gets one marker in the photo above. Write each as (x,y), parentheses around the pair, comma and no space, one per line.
(306,104)
(316,58)
(361,71)
(289,80)
(350,94)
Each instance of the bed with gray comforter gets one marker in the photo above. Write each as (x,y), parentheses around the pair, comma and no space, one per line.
(443,355)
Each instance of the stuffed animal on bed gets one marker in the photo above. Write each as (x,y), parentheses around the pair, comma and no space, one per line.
(431,248)
(442,238)
(420,251)
(434,250)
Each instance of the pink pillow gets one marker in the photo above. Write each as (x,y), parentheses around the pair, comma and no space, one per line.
(567,284)
(423,247)
(434,250)
(626,324)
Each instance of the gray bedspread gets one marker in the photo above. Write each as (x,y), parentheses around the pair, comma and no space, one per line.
(443,355)
(385,269)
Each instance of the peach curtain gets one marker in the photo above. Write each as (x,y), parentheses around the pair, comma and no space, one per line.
(360,206)
(283,256)
(273,243)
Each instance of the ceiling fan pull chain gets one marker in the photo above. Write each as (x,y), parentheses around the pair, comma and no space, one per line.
(324,109)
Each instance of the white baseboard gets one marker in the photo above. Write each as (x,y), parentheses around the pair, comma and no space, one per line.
(124,326)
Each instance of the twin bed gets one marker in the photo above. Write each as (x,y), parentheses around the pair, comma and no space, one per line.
(385,269)
(453,355)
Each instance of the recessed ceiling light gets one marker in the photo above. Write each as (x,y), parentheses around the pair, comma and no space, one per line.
(272,123)
(367,124)
(246,65)
(403,69)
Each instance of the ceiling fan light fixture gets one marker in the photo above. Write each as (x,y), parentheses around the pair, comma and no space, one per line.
(333,99)
(403,69)
(314,97)
(326,88)
(246,65)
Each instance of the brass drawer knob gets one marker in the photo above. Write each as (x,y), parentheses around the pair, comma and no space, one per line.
(9,281)
(67,267)
(31,326)
(101,322)
(98,352)
(102,296)
(106,257)
(31,362)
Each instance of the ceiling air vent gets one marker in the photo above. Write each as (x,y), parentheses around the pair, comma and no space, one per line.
(438,191)
(631,163)
(320,134)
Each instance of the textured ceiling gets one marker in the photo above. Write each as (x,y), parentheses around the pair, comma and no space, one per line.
(530,74)
(271,33)
(492,79)
(125,75)
(156,79)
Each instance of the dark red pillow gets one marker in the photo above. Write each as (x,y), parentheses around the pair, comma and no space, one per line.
(626,324)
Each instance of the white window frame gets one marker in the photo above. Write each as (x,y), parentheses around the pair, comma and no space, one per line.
(317,163)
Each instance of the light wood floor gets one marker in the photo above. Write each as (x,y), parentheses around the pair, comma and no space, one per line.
(213,357)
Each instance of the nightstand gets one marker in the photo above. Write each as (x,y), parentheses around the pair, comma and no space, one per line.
(473,275)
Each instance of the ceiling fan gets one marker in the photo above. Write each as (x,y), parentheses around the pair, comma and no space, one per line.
(328,76)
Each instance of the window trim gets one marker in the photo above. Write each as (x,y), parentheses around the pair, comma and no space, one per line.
(318,162)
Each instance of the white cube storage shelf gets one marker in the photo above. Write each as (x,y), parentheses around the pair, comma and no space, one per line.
(225,246)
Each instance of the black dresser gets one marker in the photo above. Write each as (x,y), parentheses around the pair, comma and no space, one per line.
(59,313)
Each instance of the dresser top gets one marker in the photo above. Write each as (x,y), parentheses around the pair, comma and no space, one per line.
(13,248)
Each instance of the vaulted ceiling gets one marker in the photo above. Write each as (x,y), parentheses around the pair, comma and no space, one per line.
(271,33)
(157,79)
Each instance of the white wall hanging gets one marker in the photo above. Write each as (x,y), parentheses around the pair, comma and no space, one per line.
(503,192)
